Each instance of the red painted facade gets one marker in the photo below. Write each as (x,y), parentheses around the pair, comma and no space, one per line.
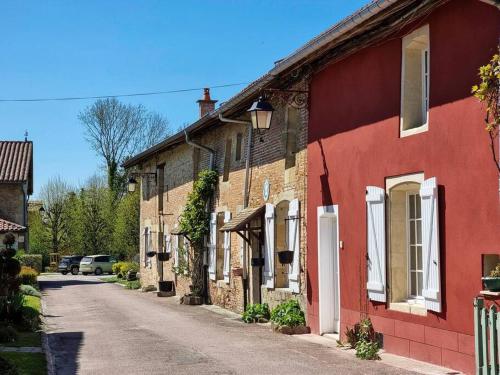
(354,142)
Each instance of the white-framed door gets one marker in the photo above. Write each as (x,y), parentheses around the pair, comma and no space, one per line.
(328,269)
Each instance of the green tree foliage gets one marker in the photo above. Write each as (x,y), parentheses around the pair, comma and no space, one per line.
(126,230)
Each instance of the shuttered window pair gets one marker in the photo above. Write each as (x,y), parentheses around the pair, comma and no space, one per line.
(376,243)
(293,223)
(212,248)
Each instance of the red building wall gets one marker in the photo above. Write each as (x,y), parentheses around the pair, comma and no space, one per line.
(354,142)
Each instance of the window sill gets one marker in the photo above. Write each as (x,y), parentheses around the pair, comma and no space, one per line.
(408,308)
(222,284)
(413,131)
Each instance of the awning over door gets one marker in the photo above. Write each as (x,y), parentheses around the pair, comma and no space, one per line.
(241,219)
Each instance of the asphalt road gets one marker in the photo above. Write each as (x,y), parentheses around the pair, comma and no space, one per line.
(98,328)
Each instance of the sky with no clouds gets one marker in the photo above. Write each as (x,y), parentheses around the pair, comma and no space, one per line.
(92,47)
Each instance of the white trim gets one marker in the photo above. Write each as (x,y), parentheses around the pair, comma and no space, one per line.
(391,182)
(422,31)
(328,212)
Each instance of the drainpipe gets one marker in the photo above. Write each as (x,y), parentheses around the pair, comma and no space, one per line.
(211,152)
(201,147)
(247,162)
(245,192)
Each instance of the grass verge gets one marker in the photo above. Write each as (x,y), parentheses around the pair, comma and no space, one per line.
(135,284)
(27,363)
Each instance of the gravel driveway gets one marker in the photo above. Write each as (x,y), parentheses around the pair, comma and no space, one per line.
(99,328)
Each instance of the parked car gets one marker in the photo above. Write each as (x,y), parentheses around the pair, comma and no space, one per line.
(97,264)
(70,264)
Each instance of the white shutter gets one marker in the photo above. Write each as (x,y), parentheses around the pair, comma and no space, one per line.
(176,249)
(430,245)
(294,245)
(186,254)
(168,243)
(243,256)
(212,253)
(227,249)
(146,244)
(375,221)
(269,246)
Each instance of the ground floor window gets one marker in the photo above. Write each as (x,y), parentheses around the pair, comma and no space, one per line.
(281,270)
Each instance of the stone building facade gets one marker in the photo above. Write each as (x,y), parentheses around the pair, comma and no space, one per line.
(16,185)
(276,181)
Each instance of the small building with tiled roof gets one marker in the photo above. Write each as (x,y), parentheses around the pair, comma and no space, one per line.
(16,185)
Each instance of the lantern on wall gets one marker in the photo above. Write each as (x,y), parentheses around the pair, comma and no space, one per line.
(261,113)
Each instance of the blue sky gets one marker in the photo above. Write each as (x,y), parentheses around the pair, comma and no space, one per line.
(85,48)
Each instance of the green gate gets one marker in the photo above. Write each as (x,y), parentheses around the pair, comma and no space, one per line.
(486,335)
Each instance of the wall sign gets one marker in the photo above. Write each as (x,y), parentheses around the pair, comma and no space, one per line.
(265,189)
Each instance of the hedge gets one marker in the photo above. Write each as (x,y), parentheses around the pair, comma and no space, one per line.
(31,260)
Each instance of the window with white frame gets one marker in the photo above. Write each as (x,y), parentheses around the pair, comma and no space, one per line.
(415,82)
(148,245)
(403,262)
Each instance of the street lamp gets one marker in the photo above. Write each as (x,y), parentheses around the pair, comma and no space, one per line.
(132,183)
(261,113)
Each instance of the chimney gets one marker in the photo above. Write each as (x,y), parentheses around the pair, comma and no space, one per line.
(206,104)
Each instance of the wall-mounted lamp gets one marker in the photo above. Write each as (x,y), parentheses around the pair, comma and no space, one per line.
(261,113)
(132,181)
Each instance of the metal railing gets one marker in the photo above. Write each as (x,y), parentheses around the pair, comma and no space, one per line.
(486,336)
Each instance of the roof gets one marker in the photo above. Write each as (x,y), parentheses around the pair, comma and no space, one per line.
(16,162)
(8,226)
(253,89)
(377,13)
(242,218)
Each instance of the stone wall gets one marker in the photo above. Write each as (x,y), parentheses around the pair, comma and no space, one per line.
(12,206)
(267,162)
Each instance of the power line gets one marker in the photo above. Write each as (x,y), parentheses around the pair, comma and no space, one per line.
(118,95)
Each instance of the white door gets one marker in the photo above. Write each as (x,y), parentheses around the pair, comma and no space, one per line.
(328,270)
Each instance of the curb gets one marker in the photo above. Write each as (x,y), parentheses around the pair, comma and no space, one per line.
(51,370)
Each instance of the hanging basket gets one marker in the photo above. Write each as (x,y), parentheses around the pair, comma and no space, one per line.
(257,262)
(285,256)
(151,254)
(163,257)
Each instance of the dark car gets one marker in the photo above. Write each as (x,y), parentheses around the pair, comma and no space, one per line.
(70,264)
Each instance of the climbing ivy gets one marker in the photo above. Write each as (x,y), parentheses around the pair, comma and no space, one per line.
(195,224)
(488,93)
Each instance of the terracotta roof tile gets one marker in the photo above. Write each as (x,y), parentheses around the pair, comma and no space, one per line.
(7,226)
(16,161)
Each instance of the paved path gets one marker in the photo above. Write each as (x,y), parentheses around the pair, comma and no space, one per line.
(99,328)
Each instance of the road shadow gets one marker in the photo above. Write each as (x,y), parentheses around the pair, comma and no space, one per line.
(58,284)
(64,349)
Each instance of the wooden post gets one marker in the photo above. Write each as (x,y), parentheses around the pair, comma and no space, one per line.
(478,306)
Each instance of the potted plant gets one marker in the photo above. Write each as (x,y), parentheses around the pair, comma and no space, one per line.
(285,256)
(492,282)
(163,257)
(289,319)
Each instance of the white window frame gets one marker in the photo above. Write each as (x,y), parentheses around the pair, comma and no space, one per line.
(423,31)
(412,298)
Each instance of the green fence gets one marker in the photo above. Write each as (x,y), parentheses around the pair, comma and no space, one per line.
(486,335)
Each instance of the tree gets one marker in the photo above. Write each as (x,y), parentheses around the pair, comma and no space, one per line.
(54,195)
(126,231)
(96,216)
(116,131)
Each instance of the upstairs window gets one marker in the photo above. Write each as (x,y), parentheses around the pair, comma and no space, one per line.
(239,141)
(227,159)
(415,82)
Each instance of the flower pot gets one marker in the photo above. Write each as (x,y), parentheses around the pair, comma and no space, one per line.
(238,272)
(151,254)
(492,283)
(166,286)
(285,256)
(163,257)
(257,262)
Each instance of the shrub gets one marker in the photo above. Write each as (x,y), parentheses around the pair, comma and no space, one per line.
(288,314)
(28,276)
(363,338)
(256,313)
(7,334)
(6,368)
(121,268)
(28,290)
(31,260)
(136,284)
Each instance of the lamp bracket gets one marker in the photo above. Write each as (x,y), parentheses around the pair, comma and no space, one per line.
(294,98)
